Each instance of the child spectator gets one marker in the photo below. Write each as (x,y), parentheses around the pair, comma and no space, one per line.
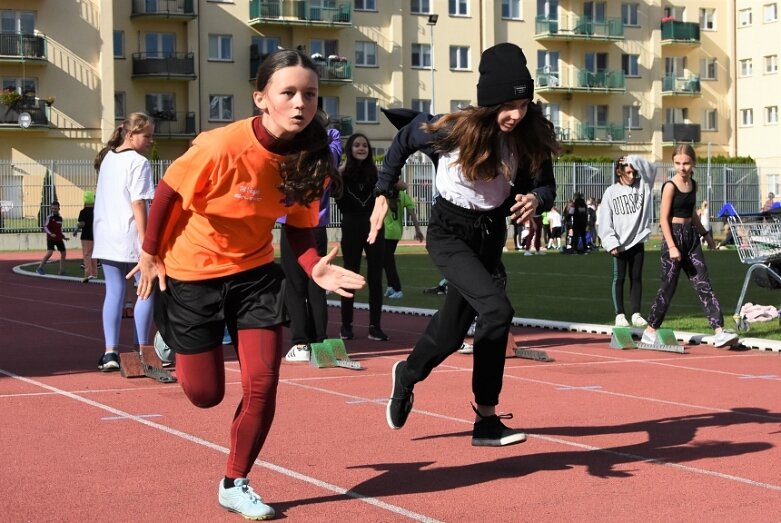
(84,224)
(55,239)
(394,227)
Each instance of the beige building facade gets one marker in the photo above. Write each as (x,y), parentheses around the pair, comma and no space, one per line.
(614,77)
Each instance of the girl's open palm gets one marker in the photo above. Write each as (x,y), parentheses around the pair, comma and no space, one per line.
(335,278)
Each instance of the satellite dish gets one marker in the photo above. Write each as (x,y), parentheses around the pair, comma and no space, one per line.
(25,120)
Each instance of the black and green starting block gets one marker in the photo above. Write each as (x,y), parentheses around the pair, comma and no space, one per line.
(330,353)
(665,341)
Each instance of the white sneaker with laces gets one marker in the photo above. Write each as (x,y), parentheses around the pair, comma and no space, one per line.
(466,348)
(297,353)
(621,321)
(243,500)
(725,338)
(638,321)
(649,338)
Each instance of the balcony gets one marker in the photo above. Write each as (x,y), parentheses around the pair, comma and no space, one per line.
(687,33)
(572,79)
(299,12)
(578,28)
(589,134)
(681,132)
(172,124)
(171,66)
(681,86)
(173,9)
(21,47)
(37,108)
(336,70)
(344,124)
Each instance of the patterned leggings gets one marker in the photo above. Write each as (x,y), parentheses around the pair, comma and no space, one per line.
(693,264)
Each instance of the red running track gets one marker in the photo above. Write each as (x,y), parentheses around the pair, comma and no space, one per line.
(613,435)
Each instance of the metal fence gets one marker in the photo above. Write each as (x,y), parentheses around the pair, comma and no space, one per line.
(28,188)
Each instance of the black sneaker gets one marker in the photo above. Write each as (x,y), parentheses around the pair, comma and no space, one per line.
(347,332)
(400,403)
(491,432)
(375,333)
(109,362)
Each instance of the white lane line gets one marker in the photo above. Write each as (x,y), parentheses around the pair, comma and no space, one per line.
(224,450)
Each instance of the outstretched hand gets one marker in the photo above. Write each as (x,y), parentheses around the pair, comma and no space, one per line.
(335,278)
(377,219)
(524,207)
(151,268)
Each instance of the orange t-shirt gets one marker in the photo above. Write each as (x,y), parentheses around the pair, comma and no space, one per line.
(227,182)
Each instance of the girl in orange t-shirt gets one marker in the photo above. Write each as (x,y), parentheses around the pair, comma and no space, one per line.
(209,242)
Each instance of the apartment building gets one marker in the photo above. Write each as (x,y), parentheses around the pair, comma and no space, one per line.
(614,77)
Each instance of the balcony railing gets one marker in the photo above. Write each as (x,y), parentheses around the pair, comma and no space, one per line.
(344,124)
(680,32)
(681,132)
(37,109)
(334,70)
(173,124)
(180,9)
(170,66)
(20,46)
(675,85)
(578,28)
(594,134)
(569,79)
(296,12)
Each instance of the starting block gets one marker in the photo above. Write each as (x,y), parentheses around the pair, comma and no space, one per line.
(513,351)
(665,341)
(622,339)
(331,353)
(144,363)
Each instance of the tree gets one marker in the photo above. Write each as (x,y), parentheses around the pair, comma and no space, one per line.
(48,195)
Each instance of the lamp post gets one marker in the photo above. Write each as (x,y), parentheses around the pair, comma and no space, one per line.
(432,21)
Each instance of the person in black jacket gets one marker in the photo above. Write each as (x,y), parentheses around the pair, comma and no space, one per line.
(494,161)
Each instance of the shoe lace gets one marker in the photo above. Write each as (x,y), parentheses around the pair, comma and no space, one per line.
(252,496)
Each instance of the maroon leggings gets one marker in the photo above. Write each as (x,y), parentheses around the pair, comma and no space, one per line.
(202,377)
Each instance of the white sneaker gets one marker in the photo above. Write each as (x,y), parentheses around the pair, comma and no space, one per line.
(725,338)
(243,500)
(638,321)
(621,321)
(649,338)
(389,291)
(298,353)
(466,348)
(396,295)
(163,351)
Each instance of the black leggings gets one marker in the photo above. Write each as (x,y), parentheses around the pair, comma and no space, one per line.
(629,261)
(355,230)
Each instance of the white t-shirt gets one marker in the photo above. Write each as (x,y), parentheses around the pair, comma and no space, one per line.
(124,177)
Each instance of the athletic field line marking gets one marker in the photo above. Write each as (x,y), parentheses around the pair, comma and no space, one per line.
(224,450)
(583,446)
(112,418)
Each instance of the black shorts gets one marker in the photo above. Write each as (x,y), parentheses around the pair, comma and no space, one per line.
(51,244)
(191,315)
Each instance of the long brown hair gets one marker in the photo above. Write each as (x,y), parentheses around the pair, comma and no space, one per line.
(474,132)
(355,169)
(688,150)
(134,123)
(306,170)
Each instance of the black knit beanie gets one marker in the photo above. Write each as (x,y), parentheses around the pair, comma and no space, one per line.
(503,76)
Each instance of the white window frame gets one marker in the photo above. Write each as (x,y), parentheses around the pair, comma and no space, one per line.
(223,103)
(553,113)
(706,64)
(771,64)
(222,45)
(330,105)
(365,5)
(597,115)
(772,181)
(771,115)
(459,58)
(629,14)
(366,54)
(458,7)
(746,117)
(745,17)
(631,114)
(745,67)
(710,120)
(770,13)
(512,10)
(366,110)
(420,7)
(420,57)
(630,63)
(707,19)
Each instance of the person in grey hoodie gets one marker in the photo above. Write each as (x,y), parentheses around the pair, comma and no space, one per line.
(624,225)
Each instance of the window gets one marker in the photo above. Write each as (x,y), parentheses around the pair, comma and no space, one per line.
(420,7)
(596,62)
(421,55)
(744,17)
(595,11)
(263,46)
(676,115)
(220,108)
(17,22)
(424,106)
(366,54)
(629,14)
(548,69)
(770,12)
(324,47)
(771,64)
(632,116)
(675,66)
(458,7)
(771,114)
(710,120)
(365,5)
(366,110)
(511,9)
(548,9)
(459,58)
(630,65)
(457,105)
(708,69)
(330,104)
(772,183)
(120,105)
(553,113)
(220,47)
(746,67)
(119,44)
(596,115)
(161,106)
(160,45)
(746,117)
(708,19)
(25,85)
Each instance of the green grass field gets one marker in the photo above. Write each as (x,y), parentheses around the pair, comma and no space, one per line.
(577,288)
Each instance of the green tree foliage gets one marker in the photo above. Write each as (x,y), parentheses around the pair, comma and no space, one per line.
(48,195)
